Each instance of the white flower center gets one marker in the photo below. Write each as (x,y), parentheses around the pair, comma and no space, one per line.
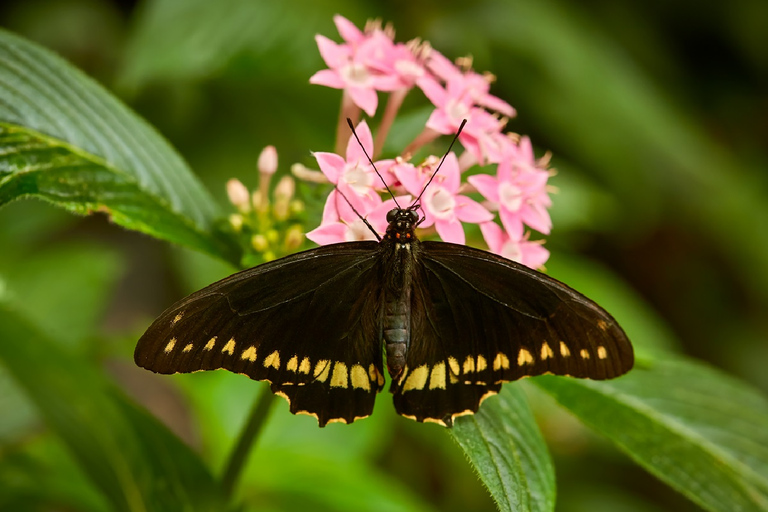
(358,231)
(457,110)
(511,251)
(441,203)
(510,196)
(355,74)
(409,69)
(359,179)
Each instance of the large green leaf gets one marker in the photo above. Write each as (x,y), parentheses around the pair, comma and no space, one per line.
(64,139)
(135,461)
(700,431)
(504,444)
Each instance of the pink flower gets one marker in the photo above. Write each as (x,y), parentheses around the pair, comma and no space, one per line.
(521,250)
(471,83)
(453,106)
(442,204)
(348,67)
(341,224)
(395,60)
(519,190)
(355,176)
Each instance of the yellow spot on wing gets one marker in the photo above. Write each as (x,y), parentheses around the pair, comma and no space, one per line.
(305,366)
(454,364)
(584,354)
(501,361)
(417,378)
(322,370)
(481,363)
(601,352)
(360,378)
(170,346)
(293,364)
(187,348)
(249,354)
(546,351)
(602,324)
(229,347)
(272,360)
(177,318)
(437,377)
(564,349)
(524,357)
(469,364)
(339,378)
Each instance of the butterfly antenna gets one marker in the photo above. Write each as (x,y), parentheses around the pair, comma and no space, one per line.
(352,127)
(358,214)
(455,137)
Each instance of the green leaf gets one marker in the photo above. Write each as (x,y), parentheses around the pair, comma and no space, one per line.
(703,433)
(136,462)
(65,139)
(504,444)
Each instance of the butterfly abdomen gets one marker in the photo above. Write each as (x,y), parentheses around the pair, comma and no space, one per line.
(396,321)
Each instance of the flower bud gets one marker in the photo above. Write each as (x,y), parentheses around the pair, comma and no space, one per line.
(236,221)
(238,195)
(267,163)
(294,237)
(259,243)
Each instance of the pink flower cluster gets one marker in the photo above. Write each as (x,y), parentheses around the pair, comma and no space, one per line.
(370,61)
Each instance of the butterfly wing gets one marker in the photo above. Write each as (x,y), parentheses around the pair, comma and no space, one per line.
(479,320)
(305,322)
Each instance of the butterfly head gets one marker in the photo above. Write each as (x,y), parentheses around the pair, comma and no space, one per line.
(401,224)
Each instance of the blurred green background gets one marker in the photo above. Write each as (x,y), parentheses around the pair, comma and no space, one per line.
(657,116)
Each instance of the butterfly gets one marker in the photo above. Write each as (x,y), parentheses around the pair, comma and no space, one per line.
(455,323)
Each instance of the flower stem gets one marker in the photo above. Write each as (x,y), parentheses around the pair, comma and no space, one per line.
(390,112)
(253,425)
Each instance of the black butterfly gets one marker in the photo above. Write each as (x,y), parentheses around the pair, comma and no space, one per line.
(456,323)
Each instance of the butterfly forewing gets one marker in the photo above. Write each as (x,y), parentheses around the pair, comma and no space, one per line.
(306,323)
(479,320)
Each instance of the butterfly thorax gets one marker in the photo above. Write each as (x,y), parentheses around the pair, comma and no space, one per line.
(402,246)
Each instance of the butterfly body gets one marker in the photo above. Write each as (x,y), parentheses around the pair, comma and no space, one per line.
(455,323)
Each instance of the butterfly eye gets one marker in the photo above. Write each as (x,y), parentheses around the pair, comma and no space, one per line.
(414,216)
(392,215)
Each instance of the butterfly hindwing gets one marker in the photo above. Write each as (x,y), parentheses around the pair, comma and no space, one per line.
(479,320)
(306,323)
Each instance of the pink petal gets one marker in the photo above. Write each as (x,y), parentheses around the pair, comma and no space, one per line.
(534,255)
(433,91)
(347,30)
(327,234)
(512,223)
(330,210)
(335,55)
(496,104)
(450,231)
(354,152)
(487,185)
(493,235)
(331,164)
(469,210)
(442,66)
(410,177)
(537,217)
(441,123)
(386,82)
(328,78)
(449,175)
(365,98)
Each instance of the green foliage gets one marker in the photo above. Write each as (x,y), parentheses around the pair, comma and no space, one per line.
(68,141)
